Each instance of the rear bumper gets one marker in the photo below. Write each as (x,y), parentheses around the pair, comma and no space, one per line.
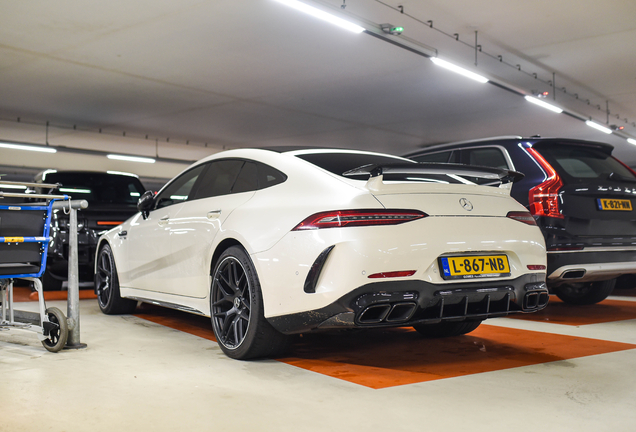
(404,303)
(590,264)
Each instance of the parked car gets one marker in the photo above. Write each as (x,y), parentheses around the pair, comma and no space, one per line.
(581,197)
(112,198)
(276,242)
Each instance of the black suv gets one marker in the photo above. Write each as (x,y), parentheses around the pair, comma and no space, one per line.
(112,198)
(581,197)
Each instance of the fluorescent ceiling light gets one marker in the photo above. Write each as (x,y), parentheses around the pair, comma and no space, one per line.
(43,149)
(598,127)
(544,104)
(459,70)
(130,158)
(631,141)
(322,15)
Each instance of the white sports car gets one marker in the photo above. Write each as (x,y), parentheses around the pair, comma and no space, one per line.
(273,242)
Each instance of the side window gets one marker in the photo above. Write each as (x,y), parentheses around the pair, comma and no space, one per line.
(218,179)
(434,157)
(486,156)
(180,189)
(269,176)
(247,179)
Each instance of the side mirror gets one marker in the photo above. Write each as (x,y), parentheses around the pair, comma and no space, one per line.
(145,203)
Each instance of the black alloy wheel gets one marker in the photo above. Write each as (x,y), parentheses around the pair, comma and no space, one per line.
(231,302)
(236,308)
(107,285)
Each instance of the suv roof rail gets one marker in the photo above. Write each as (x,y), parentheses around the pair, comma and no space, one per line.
(436,146)
(495,138)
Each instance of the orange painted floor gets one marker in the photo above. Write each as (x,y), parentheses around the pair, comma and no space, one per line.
(393,357)
(387,358)
(22,294)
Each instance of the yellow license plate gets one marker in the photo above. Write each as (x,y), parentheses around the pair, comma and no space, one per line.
(471,266)
(614,204)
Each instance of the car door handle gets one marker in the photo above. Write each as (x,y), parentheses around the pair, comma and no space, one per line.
(123,234)
(164,220)
(214,214)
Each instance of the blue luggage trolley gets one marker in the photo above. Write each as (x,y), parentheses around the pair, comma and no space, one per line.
(24,242)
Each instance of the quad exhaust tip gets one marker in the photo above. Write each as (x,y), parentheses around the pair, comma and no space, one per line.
(535,300)
(387,312)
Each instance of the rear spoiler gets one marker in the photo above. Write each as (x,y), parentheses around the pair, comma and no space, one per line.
(397,169)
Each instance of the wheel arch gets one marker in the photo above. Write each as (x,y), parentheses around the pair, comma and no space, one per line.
(100,244)
(222,247)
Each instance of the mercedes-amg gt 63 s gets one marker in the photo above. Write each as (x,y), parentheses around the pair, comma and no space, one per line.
(274,242)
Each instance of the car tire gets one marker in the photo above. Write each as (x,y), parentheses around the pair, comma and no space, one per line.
(585,293)
(236,309)
(447,328)
(50,283)
(107,285)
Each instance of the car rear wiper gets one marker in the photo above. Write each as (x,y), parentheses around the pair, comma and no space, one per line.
(619,178)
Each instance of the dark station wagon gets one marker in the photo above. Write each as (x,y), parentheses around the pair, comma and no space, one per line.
(582,198)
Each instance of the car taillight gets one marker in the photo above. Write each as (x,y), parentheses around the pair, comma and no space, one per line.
(351,218)
(625,165)
(544,198)
(522,216)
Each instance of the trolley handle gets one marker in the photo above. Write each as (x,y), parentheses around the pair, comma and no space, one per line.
(40,185)
(39,196)
(31,185)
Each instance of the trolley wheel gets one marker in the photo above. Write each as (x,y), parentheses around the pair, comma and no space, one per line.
(59,333)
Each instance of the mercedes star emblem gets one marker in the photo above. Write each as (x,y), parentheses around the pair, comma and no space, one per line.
(467,205)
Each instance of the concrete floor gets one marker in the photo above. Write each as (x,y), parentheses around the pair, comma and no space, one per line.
(137,375)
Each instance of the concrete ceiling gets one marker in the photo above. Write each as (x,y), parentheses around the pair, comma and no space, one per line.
(186,79)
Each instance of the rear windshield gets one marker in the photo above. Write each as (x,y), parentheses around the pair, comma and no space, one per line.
(584,163)
(98,188)
(339,163)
